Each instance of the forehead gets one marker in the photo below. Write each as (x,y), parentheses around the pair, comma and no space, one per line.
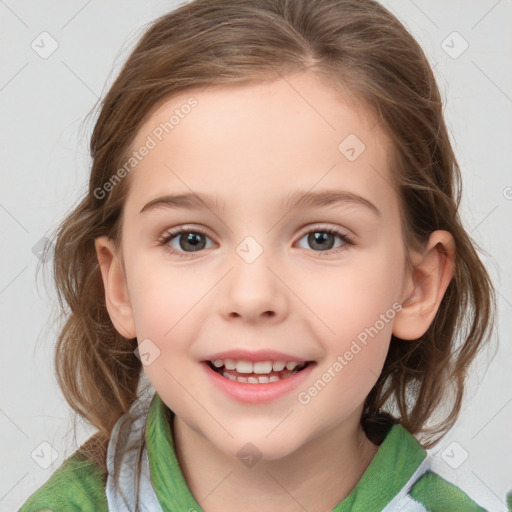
(242,142)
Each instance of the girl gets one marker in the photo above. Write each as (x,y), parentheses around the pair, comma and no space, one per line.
(240,137)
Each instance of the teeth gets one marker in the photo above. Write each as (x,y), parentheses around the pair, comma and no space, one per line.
(229,364)
(259,367)
(263,379)
(244,367)
(263,367)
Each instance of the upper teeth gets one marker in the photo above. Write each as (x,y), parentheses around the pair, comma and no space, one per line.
(257,367)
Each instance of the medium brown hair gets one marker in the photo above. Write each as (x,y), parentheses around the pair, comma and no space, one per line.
(355,45)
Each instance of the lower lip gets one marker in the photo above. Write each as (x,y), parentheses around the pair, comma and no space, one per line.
(257,393)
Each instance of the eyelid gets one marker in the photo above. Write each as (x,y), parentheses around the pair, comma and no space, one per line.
(326,227)
(183,228)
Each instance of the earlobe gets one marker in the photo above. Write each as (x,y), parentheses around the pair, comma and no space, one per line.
(116,293)
(426,286)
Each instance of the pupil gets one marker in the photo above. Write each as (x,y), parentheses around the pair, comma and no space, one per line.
(318,236)
(193,239)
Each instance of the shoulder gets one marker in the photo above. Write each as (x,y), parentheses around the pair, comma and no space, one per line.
(77,485)
(425,484)
(439,495)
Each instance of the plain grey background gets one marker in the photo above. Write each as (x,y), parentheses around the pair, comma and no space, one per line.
(44,171)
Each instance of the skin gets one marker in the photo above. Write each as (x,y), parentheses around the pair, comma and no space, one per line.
(251,146)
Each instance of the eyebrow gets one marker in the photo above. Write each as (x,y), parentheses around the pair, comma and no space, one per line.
(296,200)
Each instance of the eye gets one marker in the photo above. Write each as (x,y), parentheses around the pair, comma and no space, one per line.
(183,245)
(320,239)
(323,238)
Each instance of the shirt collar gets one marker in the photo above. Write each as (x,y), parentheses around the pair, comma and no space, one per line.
(397,458)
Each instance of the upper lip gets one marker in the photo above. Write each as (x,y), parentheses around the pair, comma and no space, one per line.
(259,355)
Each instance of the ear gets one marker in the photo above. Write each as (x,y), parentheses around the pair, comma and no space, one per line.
(425,286)
(116,291)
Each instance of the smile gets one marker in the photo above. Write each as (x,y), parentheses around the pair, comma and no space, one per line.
(258,372)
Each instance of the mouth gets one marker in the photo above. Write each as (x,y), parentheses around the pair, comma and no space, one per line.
(257,372)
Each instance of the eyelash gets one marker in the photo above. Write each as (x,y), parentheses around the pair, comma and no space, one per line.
(171,234)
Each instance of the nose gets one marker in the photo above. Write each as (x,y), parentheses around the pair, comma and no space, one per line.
(253,290)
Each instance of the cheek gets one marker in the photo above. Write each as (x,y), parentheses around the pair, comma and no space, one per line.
(357,314)
(161,294)
(163,302)
(353,298)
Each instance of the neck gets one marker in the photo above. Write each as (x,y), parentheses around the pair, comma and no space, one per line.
(316,477)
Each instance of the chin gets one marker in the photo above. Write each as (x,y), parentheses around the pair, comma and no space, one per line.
(262,438)
(256,446)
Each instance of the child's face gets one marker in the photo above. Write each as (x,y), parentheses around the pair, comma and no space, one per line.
(252,147)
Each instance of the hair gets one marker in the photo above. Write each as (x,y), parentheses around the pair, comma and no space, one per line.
(363,50)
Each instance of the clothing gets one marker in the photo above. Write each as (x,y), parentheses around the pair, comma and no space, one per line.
(398,479)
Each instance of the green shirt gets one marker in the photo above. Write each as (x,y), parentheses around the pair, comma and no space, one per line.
(79,485)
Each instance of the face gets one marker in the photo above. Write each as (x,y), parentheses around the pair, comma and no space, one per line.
(244,275)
